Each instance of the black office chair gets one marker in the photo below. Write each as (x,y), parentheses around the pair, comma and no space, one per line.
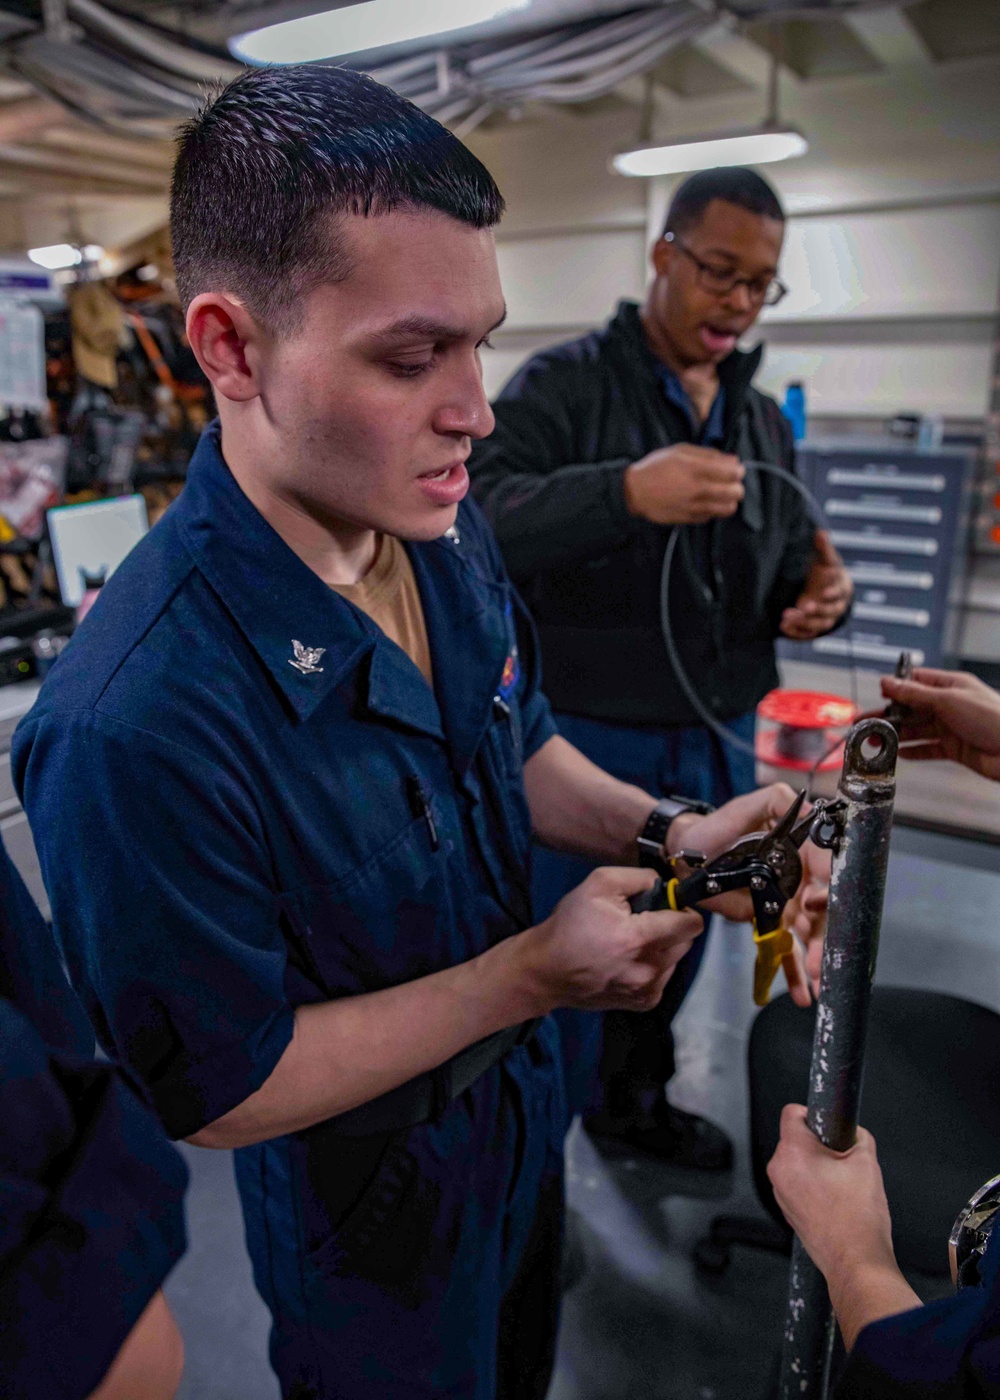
(931,1098)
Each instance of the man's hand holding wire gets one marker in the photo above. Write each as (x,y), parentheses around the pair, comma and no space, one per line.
(685,485)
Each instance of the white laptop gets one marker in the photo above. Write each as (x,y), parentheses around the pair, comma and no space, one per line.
(92,539)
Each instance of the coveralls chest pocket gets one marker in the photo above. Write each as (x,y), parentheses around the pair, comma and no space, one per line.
(505,739)
(394,917)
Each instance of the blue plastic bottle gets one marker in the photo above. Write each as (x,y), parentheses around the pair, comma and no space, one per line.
(794,408)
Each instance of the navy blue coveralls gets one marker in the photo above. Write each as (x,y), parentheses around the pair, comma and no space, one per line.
(265,832)
(91,1216)
(948,1350)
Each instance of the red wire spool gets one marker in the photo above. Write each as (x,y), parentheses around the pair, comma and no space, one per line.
(809,723)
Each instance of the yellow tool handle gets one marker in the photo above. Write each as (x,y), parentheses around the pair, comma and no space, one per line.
(773,950)
(671,893)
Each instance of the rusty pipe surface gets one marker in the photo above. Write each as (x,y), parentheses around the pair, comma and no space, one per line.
(858,830)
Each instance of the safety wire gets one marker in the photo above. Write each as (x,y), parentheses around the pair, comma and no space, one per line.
(694,699)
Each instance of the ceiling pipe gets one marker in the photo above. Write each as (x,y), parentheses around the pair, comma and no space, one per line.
(187,62)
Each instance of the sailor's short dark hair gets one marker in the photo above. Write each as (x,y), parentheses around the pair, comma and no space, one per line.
(263,171)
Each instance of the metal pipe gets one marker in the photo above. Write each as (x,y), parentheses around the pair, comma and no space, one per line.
(605,80)
(183,59)
(555,46)
(858,833)
(468,124)
(393,73)
(607,57)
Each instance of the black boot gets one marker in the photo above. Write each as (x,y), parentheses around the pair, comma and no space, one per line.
(667,1133)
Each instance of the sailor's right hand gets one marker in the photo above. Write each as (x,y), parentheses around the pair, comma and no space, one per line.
(594,954)
(684,485)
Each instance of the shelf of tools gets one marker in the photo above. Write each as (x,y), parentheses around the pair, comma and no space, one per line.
(99,396)
(32,460)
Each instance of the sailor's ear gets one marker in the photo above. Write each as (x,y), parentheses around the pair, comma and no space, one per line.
(223,336)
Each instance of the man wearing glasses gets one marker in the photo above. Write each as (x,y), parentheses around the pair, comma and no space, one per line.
(602,448)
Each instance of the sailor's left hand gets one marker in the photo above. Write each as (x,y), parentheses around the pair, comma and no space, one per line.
(825,598)
(836,1204)
(834,1201)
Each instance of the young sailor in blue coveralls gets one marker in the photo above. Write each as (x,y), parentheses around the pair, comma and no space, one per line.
(91,1220)
(835,1202)
(304,731)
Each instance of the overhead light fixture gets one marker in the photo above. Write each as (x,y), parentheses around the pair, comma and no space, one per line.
(60,255)
(758,146)
(370,25)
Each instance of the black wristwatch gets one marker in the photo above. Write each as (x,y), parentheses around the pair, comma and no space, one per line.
(654,833)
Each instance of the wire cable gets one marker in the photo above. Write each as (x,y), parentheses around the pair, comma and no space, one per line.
(712,722)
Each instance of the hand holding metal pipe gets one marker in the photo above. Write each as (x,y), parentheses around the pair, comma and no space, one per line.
(859,830)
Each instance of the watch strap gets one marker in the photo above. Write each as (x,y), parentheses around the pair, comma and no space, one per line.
(658,824)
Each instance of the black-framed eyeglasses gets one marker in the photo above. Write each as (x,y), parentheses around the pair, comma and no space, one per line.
(768,291)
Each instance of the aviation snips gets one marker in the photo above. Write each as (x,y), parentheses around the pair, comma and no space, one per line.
(769,865)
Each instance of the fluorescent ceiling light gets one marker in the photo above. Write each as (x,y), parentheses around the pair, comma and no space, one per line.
(366,26)
(704,153)
(58,255)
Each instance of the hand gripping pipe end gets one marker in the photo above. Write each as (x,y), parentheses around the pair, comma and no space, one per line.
(859,836)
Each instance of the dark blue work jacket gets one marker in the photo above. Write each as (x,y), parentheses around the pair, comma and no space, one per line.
(91,1219)
(245,797)
(948,1350)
